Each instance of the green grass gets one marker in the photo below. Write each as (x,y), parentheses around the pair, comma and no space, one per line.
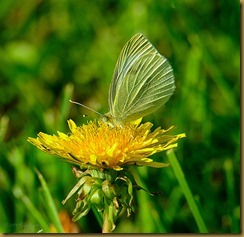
(187,192)
(53,51)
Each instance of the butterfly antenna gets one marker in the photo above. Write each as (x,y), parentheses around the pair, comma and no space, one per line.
(85,107)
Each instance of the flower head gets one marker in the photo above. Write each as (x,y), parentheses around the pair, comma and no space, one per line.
(97,145)
(103,151)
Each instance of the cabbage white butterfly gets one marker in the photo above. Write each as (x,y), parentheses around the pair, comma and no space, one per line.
(142,82)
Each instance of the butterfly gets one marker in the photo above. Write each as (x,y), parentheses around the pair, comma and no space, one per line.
(142,82)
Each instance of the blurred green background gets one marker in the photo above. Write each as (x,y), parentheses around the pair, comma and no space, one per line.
(53,51)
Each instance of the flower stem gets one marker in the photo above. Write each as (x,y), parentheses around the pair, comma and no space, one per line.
(106,224)
(108,219)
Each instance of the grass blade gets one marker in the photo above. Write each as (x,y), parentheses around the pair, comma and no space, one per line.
(18,193)
(98,216)
(230,187)
(187,192)
(51,208)
(65,105)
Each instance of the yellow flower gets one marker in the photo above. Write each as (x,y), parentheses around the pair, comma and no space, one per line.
(97,145)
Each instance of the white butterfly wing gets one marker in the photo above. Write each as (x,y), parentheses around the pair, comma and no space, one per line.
(142,82)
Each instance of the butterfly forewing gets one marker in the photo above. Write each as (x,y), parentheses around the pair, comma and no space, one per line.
(143,81)
(131,52)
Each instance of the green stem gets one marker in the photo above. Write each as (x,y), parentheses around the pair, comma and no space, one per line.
(108,219)
(187,192)
(106,224)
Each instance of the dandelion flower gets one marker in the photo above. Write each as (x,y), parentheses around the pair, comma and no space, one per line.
(97,145)
(103,152)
